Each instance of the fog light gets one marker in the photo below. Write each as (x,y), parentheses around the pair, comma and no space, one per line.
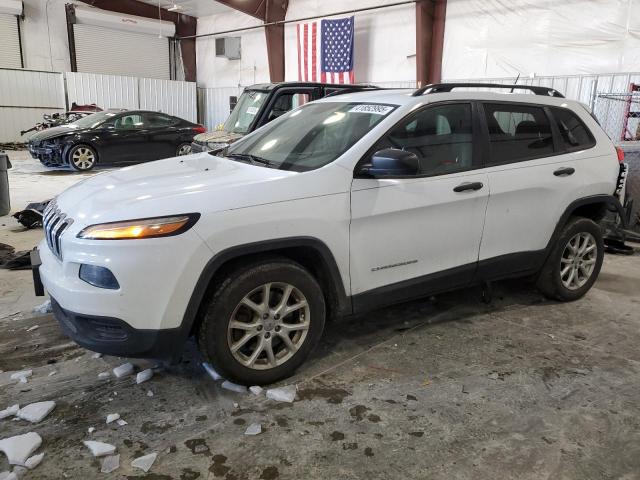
(100,277)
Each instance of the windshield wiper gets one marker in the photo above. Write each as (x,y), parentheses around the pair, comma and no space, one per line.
(244,157)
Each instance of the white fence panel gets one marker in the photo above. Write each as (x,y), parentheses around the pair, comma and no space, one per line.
(25,95)
(169,96)
(106,91)
(213,104)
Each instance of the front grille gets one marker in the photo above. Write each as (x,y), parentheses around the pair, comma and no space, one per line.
(55,223)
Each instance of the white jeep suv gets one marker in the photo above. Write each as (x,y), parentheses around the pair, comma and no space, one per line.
(340,206)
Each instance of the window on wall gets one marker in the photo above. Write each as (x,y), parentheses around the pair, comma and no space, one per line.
(574,134)
(517,132)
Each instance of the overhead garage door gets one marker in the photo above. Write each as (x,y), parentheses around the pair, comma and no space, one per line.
(9,42)
(118,52)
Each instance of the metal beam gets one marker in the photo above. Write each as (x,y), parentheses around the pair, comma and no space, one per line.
(430,23)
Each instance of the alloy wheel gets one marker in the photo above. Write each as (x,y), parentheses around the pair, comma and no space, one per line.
(268,326)
(578,260)
(83,158)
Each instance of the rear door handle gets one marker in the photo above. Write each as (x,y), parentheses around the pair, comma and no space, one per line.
(468,186)
(564,172)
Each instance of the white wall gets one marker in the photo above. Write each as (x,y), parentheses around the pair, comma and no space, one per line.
(500,38)
(384,45)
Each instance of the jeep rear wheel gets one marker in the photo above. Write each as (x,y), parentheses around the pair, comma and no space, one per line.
(574,262)
(262,322)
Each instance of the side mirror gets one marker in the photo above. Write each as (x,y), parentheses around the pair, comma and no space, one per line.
(392,163)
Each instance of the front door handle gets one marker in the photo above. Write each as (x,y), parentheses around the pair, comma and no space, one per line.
(468,186)
(564,172)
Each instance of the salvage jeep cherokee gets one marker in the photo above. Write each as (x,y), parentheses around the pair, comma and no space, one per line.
(342,205)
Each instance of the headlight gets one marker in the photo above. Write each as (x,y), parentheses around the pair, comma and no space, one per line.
(142,228)
(217,145)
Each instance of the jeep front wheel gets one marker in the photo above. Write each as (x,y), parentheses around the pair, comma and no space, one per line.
(262,322)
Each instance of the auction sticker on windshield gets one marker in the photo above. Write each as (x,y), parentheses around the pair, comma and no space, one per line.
(376,109)
(252,110)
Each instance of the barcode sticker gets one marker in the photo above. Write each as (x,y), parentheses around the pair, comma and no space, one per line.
(376,109)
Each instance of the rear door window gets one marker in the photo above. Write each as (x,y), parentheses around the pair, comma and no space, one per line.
(517,132)
(574,134)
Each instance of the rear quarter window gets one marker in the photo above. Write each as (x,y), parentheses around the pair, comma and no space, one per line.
(574,134)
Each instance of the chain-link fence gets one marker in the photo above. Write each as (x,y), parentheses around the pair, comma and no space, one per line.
(619,115)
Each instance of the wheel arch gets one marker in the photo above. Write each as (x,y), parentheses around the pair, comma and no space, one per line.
(312,253)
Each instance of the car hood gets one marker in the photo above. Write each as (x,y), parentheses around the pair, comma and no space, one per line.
(198,183)
(218,136)
(56,132)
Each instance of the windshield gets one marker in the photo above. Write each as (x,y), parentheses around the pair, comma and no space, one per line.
(311,136)
(93,120)
(245,111)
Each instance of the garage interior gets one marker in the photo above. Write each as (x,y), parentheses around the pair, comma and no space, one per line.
(489,382)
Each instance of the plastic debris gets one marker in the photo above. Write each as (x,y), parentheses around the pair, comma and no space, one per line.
(31,329)
(122,422)
(144,463)
(99,449)
(253,429)
(33,462)
(35,412)
(123,370)
(110,464)
(23,374)
(256,390)
(233,387)
(149,393)
(144,375)
(91,429)
(283,394)
(43,308)
(96,355)
(212,373)
(104,375)
(112,417)
(9,411)
(19,448)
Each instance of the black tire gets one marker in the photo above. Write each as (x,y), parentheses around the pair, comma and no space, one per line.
(550,281)
(214,337)
(82,158)
(183,149)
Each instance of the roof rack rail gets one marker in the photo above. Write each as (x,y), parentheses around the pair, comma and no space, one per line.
(447,87)
(354,88)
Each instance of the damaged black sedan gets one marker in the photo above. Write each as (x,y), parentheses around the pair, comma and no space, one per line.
(114,136)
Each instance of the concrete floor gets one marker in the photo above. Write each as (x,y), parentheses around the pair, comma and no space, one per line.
(443,388)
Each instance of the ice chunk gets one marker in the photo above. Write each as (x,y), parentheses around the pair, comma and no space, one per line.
(22,374)
(123,370)
(256,390)
(35,412)
(122,422)
(212,373)
(110,464)
(104,375)
(149,393)
(144,375)
(233,387)
(283,394)
(91,429)
(112,417)
(253,429)
(99,449)
(33,462)
(31,329)
(43,308)
(144,463)
(19,448)
(9,411)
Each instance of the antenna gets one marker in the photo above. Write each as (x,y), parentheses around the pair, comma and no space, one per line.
(516,82)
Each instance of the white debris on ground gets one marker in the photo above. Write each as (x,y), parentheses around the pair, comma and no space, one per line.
(96,355)
(104,375)
(212,373)
(123,370)
(144,375)
(144,463)
(33,462)
(112,417)
(256,390)
(493,376)
(122,422)
(91,429)
(253,429)
(283,394)
(43,308)
(8,476)
(9,412)
(110,464)
(22,375)
(233,387)
(19,448)
(149,393)
(99,449)
(36,412)
(51,374)
(31,329)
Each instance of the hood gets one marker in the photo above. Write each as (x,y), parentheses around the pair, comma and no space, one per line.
(218,136)
(56,132)
(198,183)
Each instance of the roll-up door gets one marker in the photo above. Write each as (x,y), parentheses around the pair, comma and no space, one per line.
(10,56)
(119,52)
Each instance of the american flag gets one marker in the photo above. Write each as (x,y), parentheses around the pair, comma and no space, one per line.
(325,51)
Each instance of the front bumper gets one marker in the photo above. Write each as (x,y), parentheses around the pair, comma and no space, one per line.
(49,155)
